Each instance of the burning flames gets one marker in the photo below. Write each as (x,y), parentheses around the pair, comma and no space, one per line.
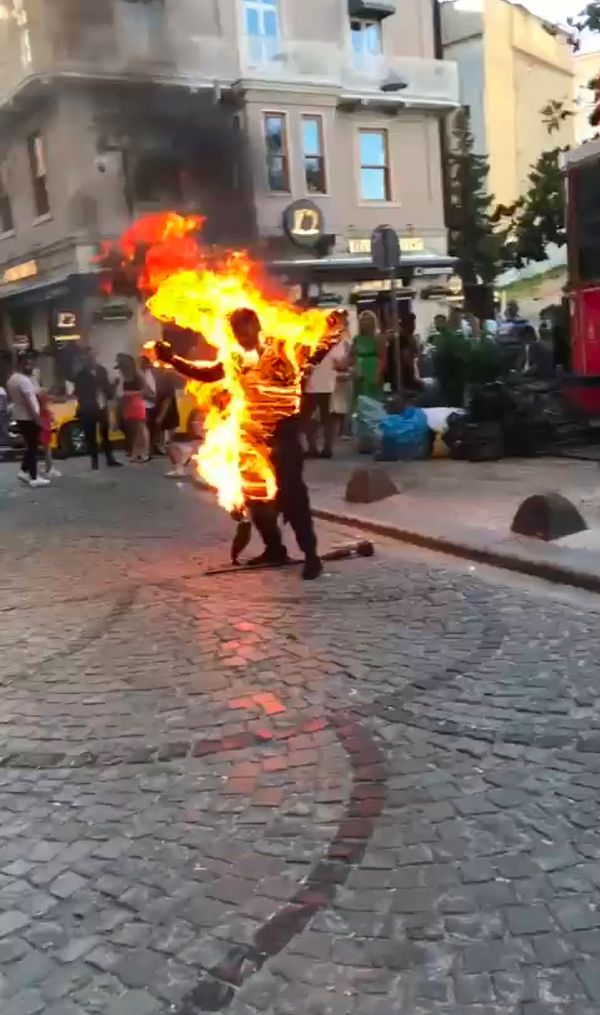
(189,287)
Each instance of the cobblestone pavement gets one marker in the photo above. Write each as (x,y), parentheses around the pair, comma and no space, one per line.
(372,795)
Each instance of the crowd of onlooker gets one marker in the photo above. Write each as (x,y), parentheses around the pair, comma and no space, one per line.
(431,370)
(142,398)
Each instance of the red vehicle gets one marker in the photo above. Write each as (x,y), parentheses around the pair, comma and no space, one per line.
(583,228)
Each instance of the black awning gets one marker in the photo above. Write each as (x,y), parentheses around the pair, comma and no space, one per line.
(378,9)
(356,269)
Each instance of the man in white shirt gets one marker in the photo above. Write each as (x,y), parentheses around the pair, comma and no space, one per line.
(317,398)
(23,394)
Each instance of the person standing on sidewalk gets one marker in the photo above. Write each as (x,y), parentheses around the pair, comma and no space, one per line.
(94,391)
(317,398)
(23,394)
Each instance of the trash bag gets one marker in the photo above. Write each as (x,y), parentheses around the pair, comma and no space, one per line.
(369,415)
(404,438)
(474,442)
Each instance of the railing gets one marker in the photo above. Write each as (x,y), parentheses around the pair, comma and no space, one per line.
(416,81)
(420,81)
(288,61)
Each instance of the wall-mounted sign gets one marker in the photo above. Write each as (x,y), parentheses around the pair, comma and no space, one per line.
(303,222)
(18,272)
(408,245)
(66,320)
(114,311)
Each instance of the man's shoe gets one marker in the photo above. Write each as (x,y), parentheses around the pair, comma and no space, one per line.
(326,453)
(313,568)
(24,477)
(112,463)
(270,558)
(312,453)
(40,481)
(95,464)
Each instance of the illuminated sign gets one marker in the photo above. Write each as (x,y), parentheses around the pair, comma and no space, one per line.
(303,223)
(65,319)
(408,245)
(18,272)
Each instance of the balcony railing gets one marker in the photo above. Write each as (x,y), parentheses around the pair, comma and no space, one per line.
(414,81)
(410,81)
(290,61)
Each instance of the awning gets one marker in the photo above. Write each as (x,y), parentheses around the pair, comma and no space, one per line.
(357,269)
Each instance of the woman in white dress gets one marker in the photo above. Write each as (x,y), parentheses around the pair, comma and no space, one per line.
(341,401)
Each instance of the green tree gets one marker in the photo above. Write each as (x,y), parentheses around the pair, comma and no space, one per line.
(474,237)
(540,217)
(587,20)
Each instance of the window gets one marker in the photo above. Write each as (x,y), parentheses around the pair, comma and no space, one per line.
(157,179)
(140,26)
(277,153)
(6,216)
(314,157)
(366,41)
(37,165)
(261,28)
(374,166)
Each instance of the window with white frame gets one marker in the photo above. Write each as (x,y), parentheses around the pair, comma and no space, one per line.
(7,223)
(141,27)
(261,29)
(277,153)
(374,165)
(367,42)
(38,171)
(314,154)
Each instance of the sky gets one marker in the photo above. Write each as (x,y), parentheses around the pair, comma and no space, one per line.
(559,10)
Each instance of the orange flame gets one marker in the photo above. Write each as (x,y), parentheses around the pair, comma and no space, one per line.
(199,293)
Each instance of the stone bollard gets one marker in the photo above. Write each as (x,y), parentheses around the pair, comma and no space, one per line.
(547,516)
(366,486)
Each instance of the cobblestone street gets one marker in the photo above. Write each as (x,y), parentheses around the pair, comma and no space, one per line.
(372,795)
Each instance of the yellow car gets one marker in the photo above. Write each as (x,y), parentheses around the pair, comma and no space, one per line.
(68,438)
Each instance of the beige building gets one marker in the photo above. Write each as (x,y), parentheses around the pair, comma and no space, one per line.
(235,109)
(511,65)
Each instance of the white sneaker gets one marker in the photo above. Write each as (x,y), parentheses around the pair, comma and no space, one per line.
(176,473)
(40,481)
(53,474)
(24,477)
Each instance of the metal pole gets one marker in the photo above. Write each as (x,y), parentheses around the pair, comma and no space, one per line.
(396,331)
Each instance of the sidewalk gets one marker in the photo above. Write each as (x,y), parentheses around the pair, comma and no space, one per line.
(467,509)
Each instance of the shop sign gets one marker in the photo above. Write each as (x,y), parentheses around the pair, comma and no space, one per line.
(303,223)
(408,245)
(19,272)
(66,320)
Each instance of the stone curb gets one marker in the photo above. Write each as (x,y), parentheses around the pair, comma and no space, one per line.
(552,571)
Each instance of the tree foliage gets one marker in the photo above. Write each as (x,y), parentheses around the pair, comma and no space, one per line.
(588,19)
(474,237)
(540,217)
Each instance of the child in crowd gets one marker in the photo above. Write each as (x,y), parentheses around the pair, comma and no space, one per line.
(181,455)
(46,420)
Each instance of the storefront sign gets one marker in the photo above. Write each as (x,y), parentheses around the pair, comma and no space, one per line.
(18,272)
(303,222)
(408,245)
(66,320)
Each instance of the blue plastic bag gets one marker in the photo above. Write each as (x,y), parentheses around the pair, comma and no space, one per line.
(404,438)
(369,416)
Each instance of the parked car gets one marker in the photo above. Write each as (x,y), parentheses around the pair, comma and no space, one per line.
(68,438)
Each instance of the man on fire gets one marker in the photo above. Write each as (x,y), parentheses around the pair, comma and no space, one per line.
(270,432)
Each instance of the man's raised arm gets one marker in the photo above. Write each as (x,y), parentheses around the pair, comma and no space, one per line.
(207,372)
